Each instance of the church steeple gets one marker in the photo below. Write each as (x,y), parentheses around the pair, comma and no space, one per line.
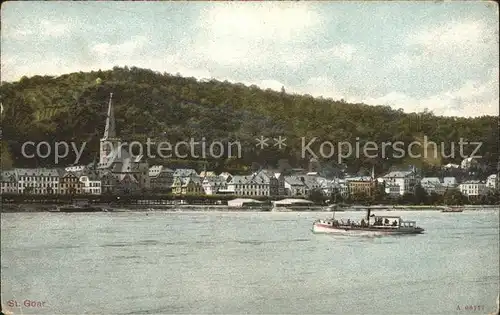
(109,142)
(110,131)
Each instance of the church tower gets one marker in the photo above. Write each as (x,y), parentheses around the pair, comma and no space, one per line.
(109,142)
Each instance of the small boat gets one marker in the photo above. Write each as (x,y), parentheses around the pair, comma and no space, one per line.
(288,205)
(82,206)
(452,209)
(335,207)
(373,225)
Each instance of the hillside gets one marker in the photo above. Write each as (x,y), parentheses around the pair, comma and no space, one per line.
(72,107)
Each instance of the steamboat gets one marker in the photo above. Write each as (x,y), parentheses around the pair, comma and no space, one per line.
(371,225)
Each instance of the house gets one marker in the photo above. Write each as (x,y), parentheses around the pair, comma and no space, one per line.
(468,163)
(361,185)
(392,190)
(325,185)
(38,181)
(280,182)
(295,186)
(91,185)
(261,183)
(432,185)
(344,189)
(450,182)
(204,174)
(227,176)
(212,184)
(109,183)
(187,185)
(128,184)
(8,182)
(302,185)
(161,178)
(492,181)
(406,180)
(70,184)
(185,172)
(473,188)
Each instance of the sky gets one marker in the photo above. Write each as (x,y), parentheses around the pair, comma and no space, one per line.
(437,56)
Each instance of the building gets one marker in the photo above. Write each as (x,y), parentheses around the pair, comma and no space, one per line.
(362,185)
(187,185)
(204,174)
(227,176)
(8,182)
(340,185)
(325,185)
(161,178)
(185,172)
(432,185)
(473,188)
(109,183)
(116,159)
(91,185)
(128,184)
(213,184)
(468,163)
(392,190)
(261,183)
(450,182)
(70,184)
(295,186)
(406,180)
(39,181)
(76,168)
(492,181)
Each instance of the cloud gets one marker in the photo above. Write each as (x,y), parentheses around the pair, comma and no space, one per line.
(466,42)
(126,48)
(54,29)
(258,21)
(343,51)
(300,46)
(254,35)
(37,30)
(463,36)
(472,99)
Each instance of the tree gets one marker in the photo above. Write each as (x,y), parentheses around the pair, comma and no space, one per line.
(336,196)
(148,104)
(454,197)
(379,195)
(6,162)
(421,196)
(316,196)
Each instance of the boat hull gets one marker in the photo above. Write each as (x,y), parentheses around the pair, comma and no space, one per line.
(352,230)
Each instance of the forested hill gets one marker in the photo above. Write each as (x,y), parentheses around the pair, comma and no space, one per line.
(72,107)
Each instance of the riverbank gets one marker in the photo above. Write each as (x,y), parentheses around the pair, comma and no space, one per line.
(29,207)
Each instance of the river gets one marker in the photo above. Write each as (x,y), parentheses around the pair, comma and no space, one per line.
(245,262)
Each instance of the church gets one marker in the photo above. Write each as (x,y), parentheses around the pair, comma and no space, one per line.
(119,170)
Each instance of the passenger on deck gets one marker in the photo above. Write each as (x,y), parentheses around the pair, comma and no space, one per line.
(386,221)
(395,223)
(362,222)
